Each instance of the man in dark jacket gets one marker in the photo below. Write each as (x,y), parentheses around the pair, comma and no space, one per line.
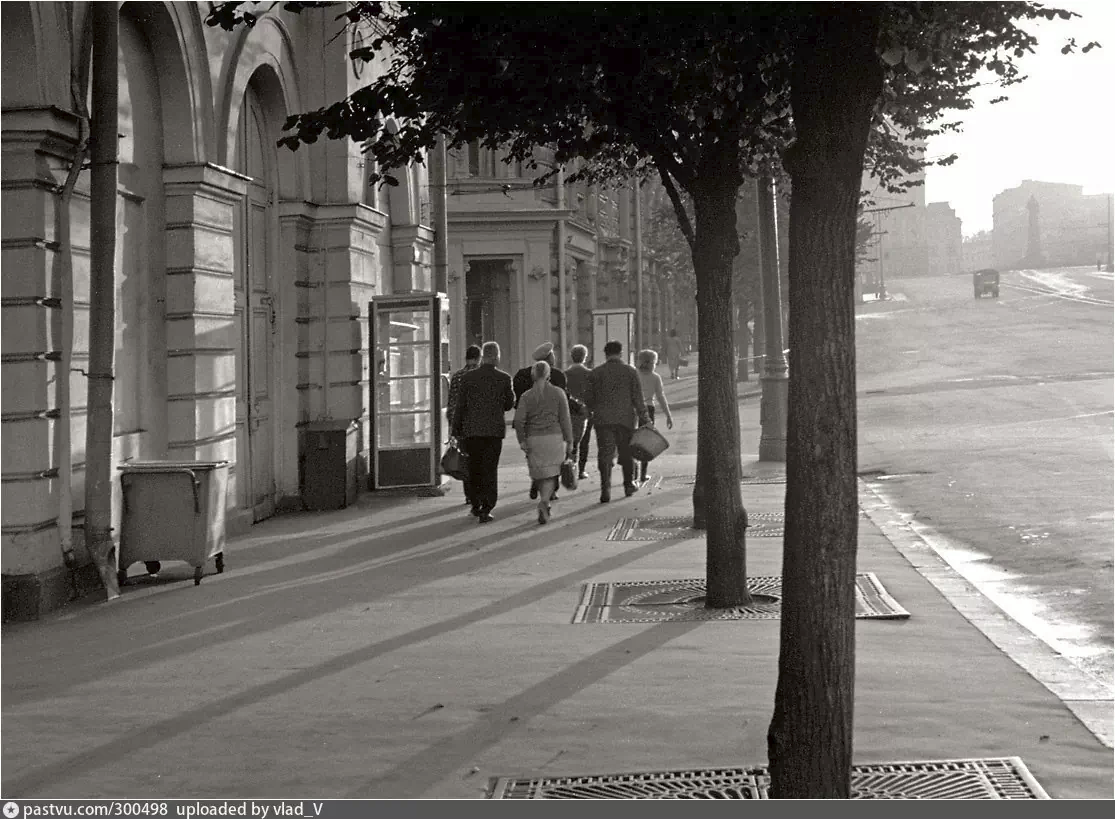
(615,399)
(485,395)
(523,379)
(472,361)
(576,378)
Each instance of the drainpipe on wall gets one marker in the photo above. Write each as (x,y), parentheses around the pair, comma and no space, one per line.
(102,290)
(561,264)
(639,312)
(79,86)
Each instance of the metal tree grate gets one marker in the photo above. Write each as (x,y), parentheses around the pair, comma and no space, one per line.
(652,527)
(1002,778)
(658,601)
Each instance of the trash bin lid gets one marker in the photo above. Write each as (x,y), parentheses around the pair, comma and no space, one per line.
(155,466)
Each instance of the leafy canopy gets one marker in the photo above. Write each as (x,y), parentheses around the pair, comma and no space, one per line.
(624,87)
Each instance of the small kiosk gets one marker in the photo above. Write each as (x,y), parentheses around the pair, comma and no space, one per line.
(409,362)
(614,324)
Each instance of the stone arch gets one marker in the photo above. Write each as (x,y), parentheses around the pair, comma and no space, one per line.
(263,56)
(188,108)
(401,200)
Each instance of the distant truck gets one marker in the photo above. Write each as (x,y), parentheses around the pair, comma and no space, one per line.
(986,282)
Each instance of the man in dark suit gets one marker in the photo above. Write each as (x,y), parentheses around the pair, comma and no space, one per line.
(523,379)
(615,398)
(479,424)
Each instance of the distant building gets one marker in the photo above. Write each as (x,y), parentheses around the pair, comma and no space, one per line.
(976,252)
(944,240)
(1049,224)
(899,239)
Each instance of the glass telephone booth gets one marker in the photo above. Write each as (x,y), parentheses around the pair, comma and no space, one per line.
(615,324)
(409,361)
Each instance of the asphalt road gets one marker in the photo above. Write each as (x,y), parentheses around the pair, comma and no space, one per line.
(989,422)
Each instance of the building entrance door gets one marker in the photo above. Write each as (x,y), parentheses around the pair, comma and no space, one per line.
(255,320)
(488,306)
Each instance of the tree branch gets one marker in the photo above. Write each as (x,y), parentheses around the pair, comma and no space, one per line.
(679,206)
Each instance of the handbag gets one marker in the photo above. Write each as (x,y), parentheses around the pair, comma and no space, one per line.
(454,462)
(647,443)
(576,407)
(568,474)
(683,362)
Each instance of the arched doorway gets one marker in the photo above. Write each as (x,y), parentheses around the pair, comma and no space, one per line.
(256,230)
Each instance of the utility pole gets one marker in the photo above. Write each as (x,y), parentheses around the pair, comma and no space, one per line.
(104,143)
(882,288)
(775,379)
(439,216)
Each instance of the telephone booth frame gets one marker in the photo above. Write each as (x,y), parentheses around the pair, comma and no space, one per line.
(408,357)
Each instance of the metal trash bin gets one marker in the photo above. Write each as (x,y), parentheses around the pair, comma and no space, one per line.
(173,510)
(327,465)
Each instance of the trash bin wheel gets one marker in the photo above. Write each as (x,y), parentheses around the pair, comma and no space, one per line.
(152,566)
(220,561)
(121,577)
(197,575)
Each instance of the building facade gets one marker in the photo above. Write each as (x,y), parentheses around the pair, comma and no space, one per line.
(529,264)
(242,277)
(944,240)
(243,272)
(1050,224)
(899,245)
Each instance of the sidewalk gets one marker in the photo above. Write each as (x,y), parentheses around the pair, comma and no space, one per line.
(396,649)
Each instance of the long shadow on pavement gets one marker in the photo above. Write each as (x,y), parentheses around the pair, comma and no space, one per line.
(412,777)
(563,684)
(77,657)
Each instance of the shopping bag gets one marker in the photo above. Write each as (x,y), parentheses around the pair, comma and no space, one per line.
(568,474)
(454,462)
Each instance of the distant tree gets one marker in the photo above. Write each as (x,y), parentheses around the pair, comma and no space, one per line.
(705,98)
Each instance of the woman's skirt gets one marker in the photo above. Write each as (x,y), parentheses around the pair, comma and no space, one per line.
(544,455)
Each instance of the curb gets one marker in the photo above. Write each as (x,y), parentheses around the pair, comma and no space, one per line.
(1089,699)
(692,402)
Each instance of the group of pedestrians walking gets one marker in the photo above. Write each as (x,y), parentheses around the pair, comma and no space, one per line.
(556,413)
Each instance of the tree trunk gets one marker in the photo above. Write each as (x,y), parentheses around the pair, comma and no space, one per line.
(102,295)
(718,438)
(836,81)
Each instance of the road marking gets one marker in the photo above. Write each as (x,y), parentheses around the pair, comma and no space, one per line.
(1063,296)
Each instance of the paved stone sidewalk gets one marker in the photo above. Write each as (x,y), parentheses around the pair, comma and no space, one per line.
(396,649)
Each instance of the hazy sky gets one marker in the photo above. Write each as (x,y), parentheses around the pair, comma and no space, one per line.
(1056,126)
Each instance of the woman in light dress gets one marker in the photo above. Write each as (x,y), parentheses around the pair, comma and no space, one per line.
(651,383)
(545,432)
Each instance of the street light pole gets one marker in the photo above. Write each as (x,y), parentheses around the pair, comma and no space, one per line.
(881,291)
(775,379)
